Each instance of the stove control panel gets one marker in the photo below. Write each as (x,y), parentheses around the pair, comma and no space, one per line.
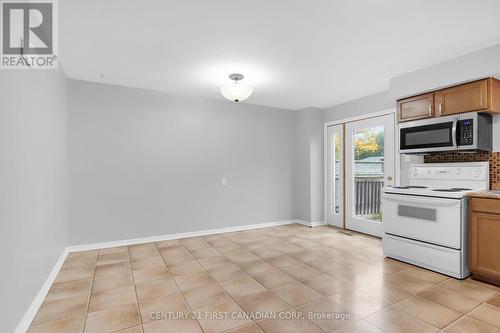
(445,171)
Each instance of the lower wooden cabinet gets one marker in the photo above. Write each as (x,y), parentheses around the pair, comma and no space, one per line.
(484,239)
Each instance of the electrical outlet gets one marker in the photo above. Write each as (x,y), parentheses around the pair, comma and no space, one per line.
(224,181)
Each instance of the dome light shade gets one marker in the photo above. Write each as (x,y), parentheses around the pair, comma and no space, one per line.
(236,91)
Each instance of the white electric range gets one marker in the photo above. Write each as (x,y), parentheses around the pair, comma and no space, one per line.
(425,223)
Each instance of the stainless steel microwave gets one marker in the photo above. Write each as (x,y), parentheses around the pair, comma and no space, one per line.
(462,132)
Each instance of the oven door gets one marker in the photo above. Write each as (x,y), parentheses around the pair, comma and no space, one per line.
(427,219)
(428,135)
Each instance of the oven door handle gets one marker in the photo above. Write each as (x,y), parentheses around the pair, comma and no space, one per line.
(427,201)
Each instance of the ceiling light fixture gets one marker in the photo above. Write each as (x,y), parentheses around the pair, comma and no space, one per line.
(236,91)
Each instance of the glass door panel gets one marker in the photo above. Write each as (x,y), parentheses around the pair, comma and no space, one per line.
(368,172)
(369,167)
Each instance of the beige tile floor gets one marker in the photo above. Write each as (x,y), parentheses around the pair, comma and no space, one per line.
(315,280)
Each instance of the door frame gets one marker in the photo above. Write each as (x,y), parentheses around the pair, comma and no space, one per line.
(397,158)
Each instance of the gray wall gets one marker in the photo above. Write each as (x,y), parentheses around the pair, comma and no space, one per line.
(33,158)
(358,107)
(308,163)
(316,164)
(146,163)
(301,184)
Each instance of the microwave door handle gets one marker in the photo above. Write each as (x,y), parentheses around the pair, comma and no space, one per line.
(454,133)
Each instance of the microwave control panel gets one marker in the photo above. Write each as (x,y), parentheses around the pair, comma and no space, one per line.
(465,132)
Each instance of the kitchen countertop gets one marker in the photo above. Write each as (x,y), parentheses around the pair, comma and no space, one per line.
(492,194)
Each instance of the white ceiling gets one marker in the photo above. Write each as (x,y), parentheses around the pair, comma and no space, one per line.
(296,53)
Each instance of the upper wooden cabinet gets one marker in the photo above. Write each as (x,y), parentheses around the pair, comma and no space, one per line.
(417,107)
(482,95)
(463,98)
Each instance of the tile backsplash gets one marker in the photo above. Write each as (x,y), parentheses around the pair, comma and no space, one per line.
(492,157)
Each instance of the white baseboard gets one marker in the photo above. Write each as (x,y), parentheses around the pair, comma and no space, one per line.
(30,314)
(104,245)
(317,223)
(311,224)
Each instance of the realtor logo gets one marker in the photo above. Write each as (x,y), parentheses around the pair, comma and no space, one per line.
(29,34)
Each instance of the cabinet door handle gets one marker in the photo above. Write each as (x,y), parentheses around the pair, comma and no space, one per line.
(440,108)
(430,109)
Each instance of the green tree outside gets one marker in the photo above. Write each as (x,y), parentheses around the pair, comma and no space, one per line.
(369,142)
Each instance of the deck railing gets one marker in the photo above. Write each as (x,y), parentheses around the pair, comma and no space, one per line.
(367,192)
(368,183)
(367,195)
